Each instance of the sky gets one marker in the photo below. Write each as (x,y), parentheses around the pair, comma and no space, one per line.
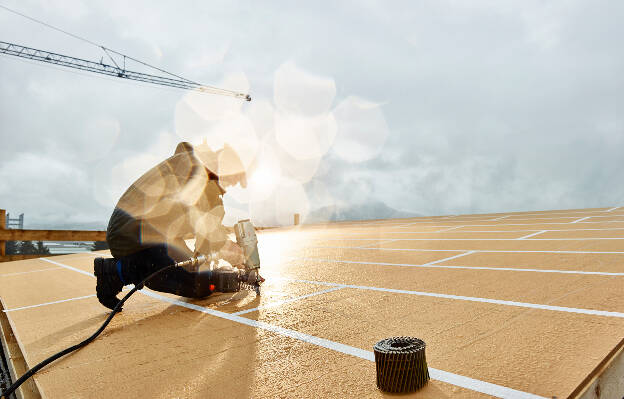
(430,107)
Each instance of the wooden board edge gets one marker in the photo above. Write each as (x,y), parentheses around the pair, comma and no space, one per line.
(15,359)
(598,371)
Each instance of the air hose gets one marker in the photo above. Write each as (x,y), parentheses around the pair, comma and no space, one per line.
(5,395)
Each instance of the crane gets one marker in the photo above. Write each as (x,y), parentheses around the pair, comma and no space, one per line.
(112,70)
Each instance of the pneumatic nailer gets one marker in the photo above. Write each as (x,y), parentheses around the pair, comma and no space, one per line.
(222,279)
(231,279)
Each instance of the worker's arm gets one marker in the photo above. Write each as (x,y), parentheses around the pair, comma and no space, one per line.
(217,242)
(178,250)
(232,253)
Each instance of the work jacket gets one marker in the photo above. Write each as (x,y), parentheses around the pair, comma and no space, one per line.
(179,198)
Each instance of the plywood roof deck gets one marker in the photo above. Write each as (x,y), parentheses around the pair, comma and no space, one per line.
(514,305)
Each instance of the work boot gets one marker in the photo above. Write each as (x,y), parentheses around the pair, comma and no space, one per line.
(108,282)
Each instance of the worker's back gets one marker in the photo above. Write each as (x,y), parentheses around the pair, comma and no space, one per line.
(176,199)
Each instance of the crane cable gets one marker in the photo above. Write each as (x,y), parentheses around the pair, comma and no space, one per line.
(201,87)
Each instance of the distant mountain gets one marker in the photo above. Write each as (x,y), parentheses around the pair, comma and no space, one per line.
(363,211)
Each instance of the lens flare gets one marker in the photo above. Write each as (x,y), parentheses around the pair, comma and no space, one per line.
(362,130)
(262,179)
(296,91)
(305,137)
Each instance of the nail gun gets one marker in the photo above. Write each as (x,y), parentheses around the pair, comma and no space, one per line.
(247,239)
(223,279)
(231,279)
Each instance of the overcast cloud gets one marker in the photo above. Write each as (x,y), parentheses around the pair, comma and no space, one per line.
(436,107)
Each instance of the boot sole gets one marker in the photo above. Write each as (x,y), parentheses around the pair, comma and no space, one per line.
(103,287)
(98,263)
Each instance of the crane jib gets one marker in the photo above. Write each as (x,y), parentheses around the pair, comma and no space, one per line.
(111,70)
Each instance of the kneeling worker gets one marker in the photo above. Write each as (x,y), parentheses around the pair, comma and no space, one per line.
(179,198)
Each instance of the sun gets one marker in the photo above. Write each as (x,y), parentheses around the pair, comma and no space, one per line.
(264,177)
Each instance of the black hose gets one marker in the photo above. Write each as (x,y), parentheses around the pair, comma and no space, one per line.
(66,351)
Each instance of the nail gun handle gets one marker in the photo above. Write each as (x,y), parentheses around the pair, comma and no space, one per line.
(246,238)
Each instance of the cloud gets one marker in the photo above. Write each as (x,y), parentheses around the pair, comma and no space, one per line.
(487,106)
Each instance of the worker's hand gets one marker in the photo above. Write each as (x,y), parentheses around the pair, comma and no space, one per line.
(232,253)
(254,277)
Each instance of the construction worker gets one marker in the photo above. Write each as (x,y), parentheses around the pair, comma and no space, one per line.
(177,199)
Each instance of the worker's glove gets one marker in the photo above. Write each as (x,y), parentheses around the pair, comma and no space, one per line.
(254,277)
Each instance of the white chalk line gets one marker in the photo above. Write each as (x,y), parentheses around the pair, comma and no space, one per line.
(449,229)
(383,241)
(489,220)
(67,267)
(440,375)
(449,258)
(547,213)
(565,309)
(127,288)
(480,218)
(437,266)
(48,303)
(488,231)
(494,225)
(502,217)
(278,303)
(585,218)
(471,239)
(468,250)
(391,222)
(30,271)
(515,224)
(531,235)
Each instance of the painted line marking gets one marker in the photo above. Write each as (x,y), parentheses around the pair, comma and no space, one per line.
(474,250)
(565,309)
(127,288)
(278,303)
(531,235)
(581,219)
(452,228)
(521,224)
(404,224)
(502,217)
(437,266)
(472,239)
(440,375)
(31,271)
(612,209)
(449,258)
(481,218)
(386,241)
(67,267)
(488,220)
(492,231)
(48,303)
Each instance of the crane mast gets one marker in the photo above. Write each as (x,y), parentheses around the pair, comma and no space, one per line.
(111,70)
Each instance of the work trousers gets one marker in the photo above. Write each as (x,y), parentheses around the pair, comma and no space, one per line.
(176,280)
